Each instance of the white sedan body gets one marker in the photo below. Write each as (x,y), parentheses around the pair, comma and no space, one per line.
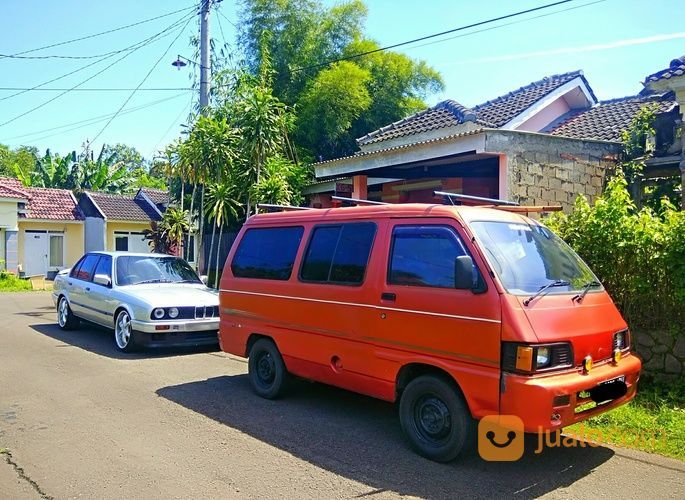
(159,311)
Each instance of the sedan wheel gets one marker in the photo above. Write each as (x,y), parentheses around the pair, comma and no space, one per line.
(124,336)
(65,318)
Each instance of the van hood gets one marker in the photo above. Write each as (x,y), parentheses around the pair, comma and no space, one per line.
(588,325)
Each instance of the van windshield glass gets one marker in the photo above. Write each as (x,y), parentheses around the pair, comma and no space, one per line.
(527,257)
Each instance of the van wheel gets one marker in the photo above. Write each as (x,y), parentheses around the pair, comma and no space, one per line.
(266,369)
(435,418)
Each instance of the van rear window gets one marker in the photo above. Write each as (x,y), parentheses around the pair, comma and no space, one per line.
(338,254)
(267,253)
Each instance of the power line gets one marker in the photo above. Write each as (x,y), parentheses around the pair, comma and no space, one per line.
(131,48)
(110,89)
(88,121)
(81,83)
(173,122)
(16,54)
(143,80)
(427,37)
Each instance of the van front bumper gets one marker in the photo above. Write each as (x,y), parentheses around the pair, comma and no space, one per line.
(532,398)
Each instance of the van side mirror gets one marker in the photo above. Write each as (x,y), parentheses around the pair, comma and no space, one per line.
(102,279)
(463,273)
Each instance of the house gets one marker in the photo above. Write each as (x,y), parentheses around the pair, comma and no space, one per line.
(541,144)
(116,221)
(669,160)
(41,229)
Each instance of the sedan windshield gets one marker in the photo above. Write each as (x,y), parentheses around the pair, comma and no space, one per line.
(137,269)
(528,257)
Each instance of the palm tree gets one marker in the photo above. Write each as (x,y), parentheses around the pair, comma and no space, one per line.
(222,205)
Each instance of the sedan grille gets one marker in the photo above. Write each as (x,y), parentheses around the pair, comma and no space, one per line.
(202,312)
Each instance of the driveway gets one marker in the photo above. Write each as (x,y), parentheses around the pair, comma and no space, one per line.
(79,419)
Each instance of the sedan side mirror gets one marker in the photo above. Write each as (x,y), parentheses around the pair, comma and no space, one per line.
(102,279)
(204,278)
(463,273)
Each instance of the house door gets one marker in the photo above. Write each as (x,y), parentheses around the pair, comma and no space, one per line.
(36,253)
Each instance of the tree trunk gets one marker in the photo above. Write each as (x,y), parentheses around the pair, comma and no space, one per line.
(190,222)
(218,257)
(211,248)
(201,232)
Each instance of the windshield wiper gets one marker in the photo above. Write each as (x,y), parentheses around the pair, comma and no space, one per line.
(544,289)
(156,280)
(586,288)
(188,281)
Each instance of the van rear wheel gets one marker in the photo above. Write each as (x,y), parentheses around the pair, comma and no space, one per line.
(435,418)
(266,369)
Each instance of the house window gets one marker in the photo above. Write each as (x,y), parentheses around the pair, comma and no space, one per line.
(56,250)
(121,243)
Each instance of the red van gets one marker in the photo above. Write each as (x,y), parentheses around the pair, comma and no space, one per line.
(456,312)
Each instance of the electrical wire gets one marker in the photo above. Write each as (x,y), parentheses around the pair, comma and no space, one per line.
(143,80)
(427,37)
(88,121)
(165,32)
(86,80)
(102,89)
(17,54)
(171,125)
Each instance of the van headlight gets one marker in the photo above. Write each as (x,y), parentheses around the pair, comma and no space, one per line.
(158,313)
(543,358)
(530,358)
(173,312)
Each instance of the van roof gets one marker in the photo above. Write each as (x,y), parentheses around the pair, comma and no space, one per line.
(464,213)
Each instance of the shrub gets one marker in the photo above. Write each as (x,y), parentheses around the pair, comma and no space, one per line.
(638,255)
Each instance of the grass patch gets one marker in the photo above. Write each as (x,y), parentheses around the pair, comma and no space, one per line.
(11,283)
(654,421)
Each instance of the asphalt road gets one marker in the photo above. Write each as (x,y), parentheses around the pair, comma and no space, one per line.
(78,419)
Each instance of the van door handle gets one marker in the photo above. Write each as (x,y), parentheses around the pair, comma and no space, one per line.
(388,296)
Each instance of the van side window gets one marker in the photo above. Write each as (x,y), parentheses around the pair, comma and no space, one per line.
(424,256)
(338,254)
(267,253)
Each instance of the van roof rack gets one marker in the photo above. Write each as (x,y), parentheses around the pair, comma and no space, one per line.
(357,201)
(464,197)
(282,207)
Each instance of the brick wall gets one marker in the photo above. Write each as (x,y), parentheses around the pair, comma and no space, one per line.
(548,170)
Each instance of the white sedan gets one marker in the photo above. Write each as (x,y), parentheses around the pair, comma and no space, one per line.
(148,299)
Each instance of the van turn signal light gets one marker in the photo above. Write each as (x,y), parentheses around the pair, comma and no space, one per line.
(616,356)
(524,358)
(587,364)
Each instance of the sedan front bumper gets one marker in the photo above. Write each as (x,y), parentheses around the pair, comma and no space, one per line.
(176,333)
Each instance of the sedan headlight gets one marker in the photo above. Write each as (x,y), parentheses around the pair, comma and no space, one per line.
(158,313)
(173,312)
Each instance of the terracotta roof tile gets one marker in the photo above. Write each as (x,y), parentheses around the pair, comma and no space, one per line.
(43,203)
(158,196)
(608,119)
(121,207)
(676,68)
(494,113)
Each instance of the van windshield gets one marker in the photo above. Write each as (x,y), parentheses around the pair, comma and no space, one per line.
(527,257)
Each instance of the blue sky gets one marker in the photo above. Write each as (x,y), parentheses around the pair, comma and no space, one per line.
(615,42)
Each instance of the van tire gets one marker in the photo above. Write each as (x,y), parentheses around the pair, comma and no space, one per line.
(266,369)
(435,418)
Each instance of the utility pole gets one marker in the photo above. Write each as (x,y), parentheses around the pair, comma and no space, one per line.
(204,55)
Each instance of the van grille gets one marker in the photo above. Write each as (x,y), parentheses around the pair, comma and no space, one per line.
(561,355)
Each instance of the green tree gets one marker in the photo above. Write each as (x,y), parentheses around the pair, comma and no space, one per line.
(301,38)
(19,162)
(223,204)
(105,173)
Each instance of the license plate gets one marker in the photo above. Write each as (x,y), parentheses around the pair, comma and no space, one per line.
(622,378)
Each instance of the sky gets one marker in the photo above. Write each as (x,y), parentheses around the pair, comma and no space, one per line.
(615,42)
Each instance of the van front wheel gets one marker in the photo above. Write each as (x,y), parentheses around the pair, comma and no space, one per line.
(266,369)
(435,418)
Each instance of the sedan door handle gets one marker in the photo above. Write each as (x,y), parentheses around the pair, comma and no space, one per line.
(69,283)
(388,296)
(87,289)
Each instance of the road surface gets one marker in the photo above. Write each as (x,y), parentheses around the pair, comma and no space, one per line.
(78,419)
